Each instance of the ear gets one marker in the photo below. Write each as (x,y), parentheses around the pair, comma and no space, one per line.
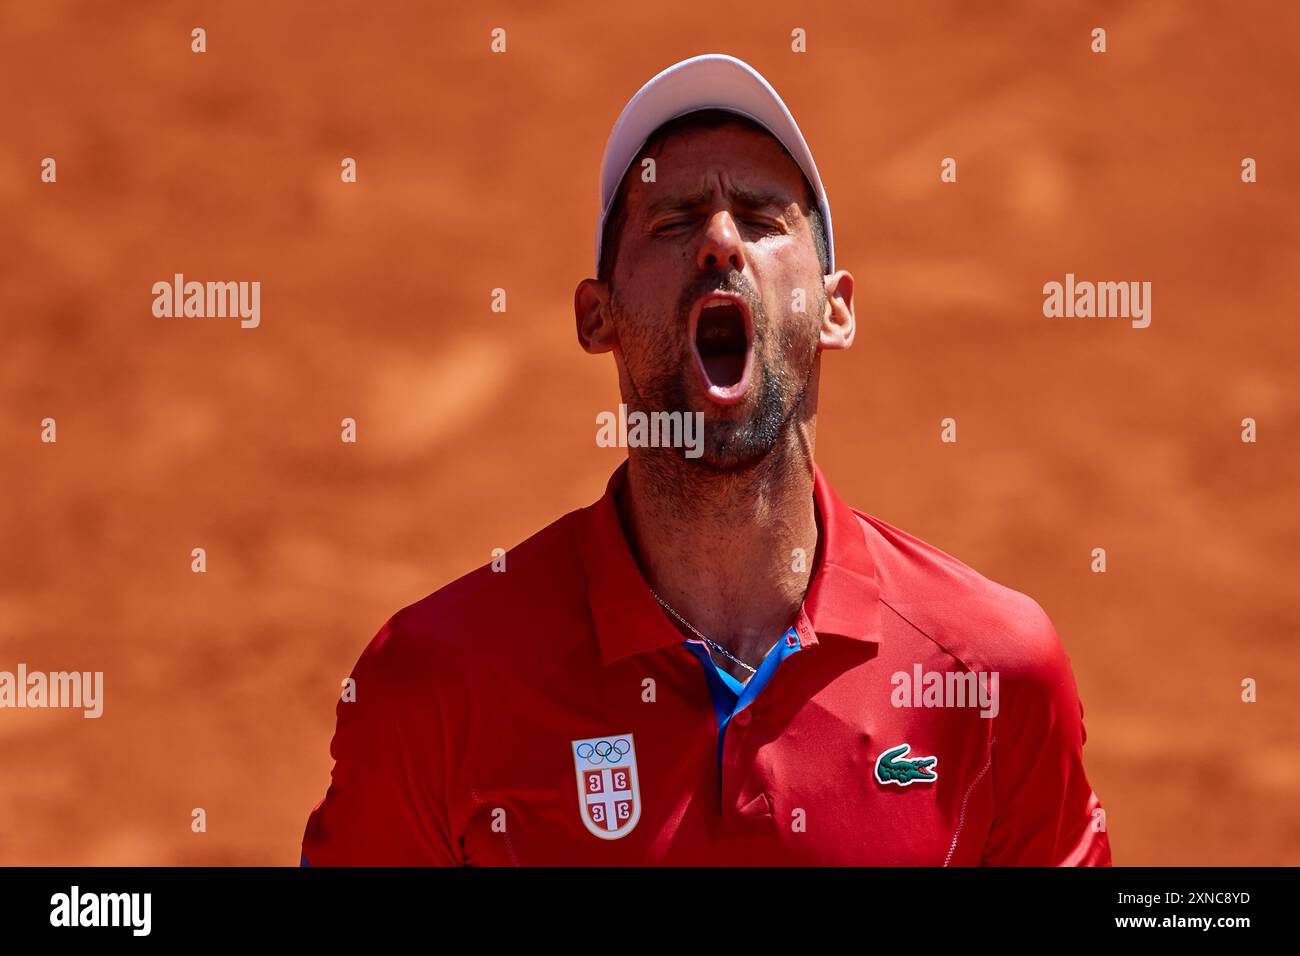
(591,314)
(838,323)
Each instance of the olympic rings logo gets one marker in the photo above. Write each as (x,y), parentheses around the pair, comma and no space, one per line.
(604,751)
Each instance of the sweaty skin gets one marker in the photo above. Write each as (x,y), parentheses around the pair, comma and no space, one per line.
(716,536)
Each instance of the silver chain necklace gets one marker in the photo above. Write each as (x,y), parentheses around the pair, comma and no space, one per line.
(712,643)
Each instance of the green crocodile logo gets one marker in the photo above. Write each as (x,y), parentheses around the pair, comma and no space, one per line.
(892,767)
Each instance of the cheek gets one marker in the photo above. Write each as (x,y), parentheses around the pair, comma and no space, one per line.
(638,288)
(649,264)
(644,328)
(797,337)
(795,311)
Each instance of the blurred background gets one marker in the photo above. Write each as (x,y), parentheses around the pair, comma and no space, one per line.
(475,429)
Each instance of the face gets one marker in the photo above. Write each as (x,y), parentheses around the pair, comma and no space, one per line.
(717,302)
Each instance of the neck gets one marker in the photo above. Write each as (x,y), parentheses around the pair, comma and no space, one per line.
(720,546)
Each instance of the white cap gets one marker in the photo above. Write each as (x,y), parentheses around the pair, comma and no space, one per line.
(711,81)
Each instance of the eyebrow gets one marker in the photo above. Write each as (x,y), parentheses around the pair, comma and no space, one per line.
(749,198)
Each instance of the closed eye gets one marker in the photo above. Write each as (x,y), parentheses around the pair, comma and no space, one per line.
(671,226)
(763,225)
(758,225)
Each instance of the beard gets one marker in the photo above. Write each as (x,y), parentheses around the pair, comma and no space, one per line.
(666,376)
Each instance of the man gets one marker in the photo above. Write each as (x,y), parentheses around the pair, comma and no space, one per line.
(719,662)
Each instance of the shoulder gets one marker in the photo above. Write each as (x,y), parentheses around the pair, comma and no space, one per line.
(487,616)
(985,625)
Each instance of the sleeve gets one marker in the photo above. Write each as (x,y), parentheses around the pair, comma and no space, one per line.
(1046,813)
(387,800)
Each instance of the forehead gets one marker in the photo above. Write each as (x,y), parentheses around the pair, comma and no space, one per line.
(738,156)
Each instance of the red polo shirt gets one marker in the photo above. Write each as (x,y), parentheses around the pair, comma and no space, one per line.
(551,714)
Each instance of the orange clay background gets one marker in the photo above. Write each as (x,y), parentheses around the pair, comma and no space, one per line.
(475,429)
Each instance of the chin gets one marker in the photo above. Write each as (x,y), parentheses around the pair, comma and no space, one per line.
(733,447)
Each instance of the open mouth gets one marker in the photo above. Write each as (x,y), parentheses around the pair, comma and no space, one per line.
(721,331)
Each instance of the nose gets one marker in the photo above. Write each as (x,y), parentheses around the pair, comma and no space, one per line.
(721,247)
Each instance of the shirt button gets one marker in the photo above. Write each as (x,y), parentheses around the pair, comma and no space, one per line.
(744,717)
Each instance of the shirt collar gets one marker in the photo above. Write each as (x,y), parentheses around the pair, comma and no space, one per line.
(843,598)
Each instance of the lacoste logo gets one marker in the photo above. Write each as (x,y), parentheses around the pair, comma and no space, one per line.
(893,767)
